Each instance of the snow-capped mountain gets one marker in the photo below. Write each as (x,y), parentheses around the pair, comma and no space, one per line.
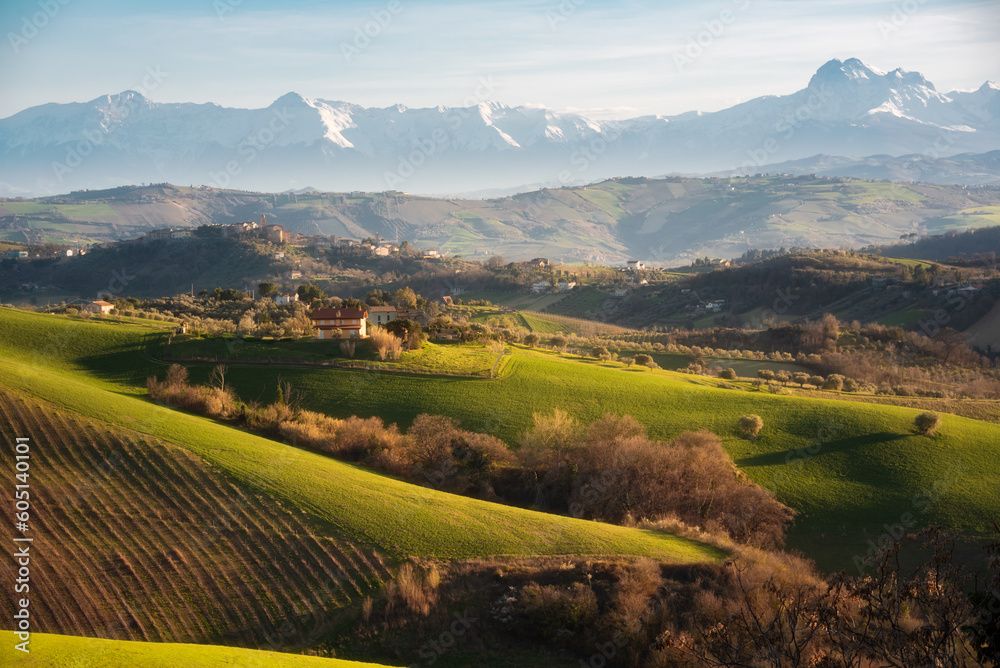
(848,109)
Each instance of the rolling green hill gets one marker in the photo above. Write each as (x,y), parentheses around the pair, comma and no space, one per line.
(60,651)
(160,525)
(850,469)
(657,220)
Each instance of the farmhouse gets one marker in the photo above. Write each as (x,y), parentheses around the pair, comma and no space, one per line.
(539,287)
(634,265)
(382,314)
(350,321)
(101,307)
(286,299)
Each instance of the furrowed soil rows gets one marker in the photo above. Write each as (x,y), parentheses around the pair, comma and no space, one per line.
(136,539)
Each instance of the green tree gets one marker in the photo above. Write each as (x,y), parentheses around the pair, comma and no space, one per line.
(645,360)
(927,423)
(267,289)
(308,292)
(834,382)
(751,425)
(405,298)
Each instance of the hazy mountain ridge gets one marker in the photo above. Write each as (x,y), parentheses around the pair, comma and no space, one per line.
(961,169)
(664,221)
(847,108)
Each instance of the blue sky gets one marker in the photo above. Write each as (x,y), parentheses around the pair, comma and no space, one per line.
(610,59)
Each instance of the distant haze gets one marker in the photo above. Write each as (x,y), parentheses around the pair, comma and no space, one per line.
(846,108)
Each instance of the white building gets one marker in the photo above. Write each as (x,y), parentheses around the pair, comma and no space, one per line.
(379,315)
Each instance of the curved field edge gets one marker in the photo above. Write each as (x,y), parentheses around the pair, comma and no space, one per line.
(851,469)
(49,650)
(142,540)
(399,518)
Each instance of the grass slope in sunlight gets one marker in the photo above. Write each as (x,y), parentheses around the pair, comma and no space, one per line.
(849,468)
(57,651)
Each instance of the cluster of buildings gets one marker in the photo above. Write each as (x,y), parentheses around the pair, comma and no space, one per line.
(276,234)
(352,323)
(25,255)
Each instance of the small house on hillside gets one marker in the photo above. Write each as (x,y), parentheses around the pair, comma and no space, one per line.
(381,314)
(286,299)
(538,287)
(450,334)
(634,265)
(101,307)
(415,315)
(351,323)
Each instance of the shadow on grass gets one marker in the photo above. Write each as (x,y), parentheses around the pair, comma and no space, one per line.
(841,445)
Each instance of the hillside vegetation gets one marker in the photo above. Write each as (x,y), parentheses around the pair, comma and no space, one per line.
(362,506)
(658,220)
(849,469)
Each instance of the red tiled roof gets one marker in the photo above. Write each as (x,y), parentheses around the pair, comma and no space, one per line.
(337,313)
(381,309)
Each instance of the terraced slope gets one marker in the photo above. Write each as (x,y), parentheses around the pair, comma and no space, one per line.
(140,540)
(61,651)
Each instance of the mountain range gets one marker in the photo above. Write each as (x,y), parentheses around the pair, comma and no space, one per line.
(848,108)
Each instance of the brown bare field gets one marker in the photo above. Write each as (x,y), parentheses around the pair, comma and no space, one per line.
(136,539)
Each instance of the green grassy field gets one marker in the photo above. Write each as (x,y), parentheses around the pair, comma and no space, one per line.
(48,650)
(850,469)
(398,518)
(448,358)
(542,325)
